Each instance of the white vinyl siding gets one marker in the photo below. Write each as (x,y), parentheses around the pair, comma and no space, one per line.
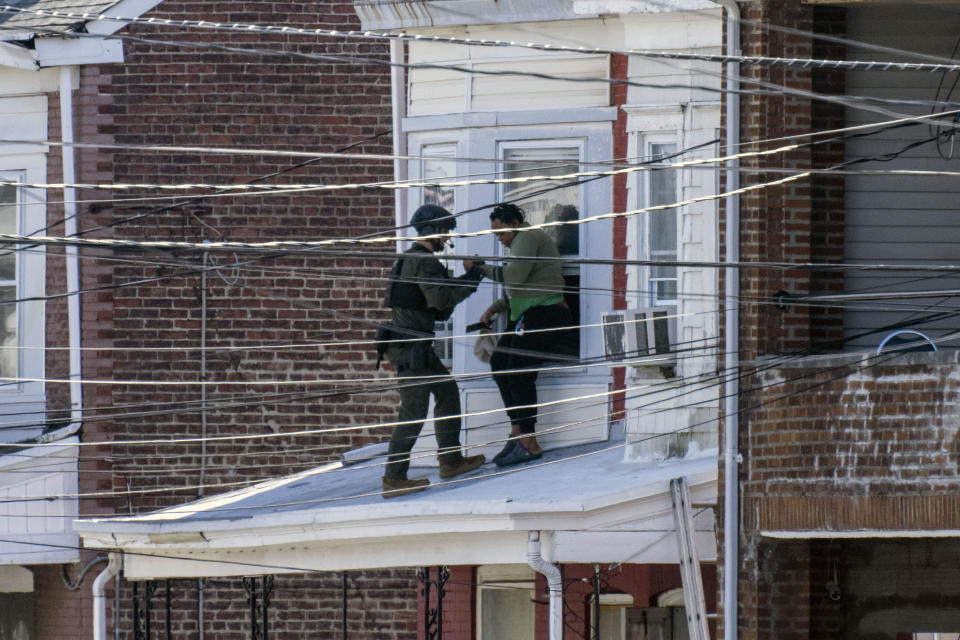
(658,423)
(435,91)
(41,471)
(898,219)
(674,81)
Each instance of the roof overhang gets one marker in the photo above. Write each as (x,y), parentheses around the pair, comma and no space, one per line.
(861,533)
(610,511)
(56,51)
(401,14)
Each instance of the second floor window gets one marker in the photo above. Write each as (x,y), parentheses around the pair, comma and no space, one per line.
(439,164)
(9,329)
(661,226)
(547,200)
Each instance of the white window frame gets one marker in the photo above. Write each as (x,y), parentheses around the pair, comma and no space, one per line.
(478,137)
(519,578)
(595,141)
(444,330)
(578,142)
(594,138)
(647,281)
(25,402)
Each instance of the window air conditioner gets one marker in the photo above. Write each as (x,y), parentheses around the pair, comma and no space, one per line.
(642,337)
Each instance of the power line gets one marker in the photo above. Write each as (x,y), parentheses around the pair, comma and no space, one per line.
(720,377)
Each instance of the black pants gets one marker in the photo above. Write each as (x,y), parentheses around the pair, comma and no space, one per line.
(515,353)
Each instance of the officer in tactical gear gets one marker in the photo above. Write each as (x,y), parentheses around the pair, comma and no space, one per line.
(421,292)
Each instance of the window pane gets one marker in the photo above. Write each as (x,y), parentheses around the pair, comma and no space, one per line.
(662,227)
(8,332)
(506,612)
(436,167)
(542,200)
(8,224)
(439,164)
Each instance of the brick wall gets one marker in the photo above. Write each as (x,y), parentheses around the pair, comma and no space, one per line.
(644,582)
(310,605)
(845,443)
(57,359)
(195,96)
(801,221)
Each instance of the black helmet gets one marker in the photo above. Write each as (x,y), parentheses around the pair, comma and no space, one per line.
(430,219)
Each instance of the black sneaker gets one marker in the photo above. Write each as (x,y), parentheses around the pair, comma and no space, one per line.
(517,455)
(507,448)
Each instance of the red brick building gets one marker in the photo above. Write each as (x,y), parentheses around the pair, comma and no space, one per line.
(845,503)
(848,482)
(605,523)
(146,316)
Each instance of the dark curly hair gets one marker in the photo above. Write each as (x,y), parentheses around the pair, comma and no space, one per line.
(507,213)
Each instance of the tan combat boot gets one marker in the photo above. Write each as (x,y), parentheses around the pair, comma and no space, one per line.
(394,487)
(461,466)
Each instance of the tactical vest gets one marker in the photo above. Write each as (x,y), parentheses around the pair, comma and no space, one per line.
(402,293)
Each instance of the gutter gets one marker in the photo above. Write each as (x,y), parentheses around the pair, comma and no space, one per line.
(554,584)
(731,420)
(99,597)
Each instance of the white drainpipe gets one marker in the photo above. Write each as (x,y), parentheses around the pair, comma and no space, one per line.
(72,257)
(99,597)
(554,584)
(731,421)
(398,103)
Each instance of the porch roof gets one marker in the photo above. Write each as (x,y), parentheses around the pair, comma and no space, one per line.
(591,505)
(29,21)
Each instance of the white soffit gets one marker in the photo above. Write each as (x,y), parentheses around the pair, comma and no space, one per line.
(63,51)
(56,52)
(380,15)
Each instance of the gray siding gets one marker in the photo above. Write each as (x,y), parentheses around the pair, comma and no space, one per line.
(900,220)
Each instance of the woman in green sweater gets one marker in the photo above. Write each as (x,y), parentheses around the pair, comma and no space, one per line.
(534,300)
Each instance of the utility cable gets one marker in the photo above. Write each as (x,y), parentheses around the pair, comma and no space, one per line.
(724,377)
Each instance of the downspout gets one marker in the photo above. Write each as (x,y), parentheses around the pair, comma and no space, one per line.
(398,105)
(72,257)
(99,597)
(203,416)
(731,420)
(554,584)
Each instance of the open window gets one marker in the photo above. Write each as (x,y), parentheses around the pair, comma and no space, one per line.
(544,200)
